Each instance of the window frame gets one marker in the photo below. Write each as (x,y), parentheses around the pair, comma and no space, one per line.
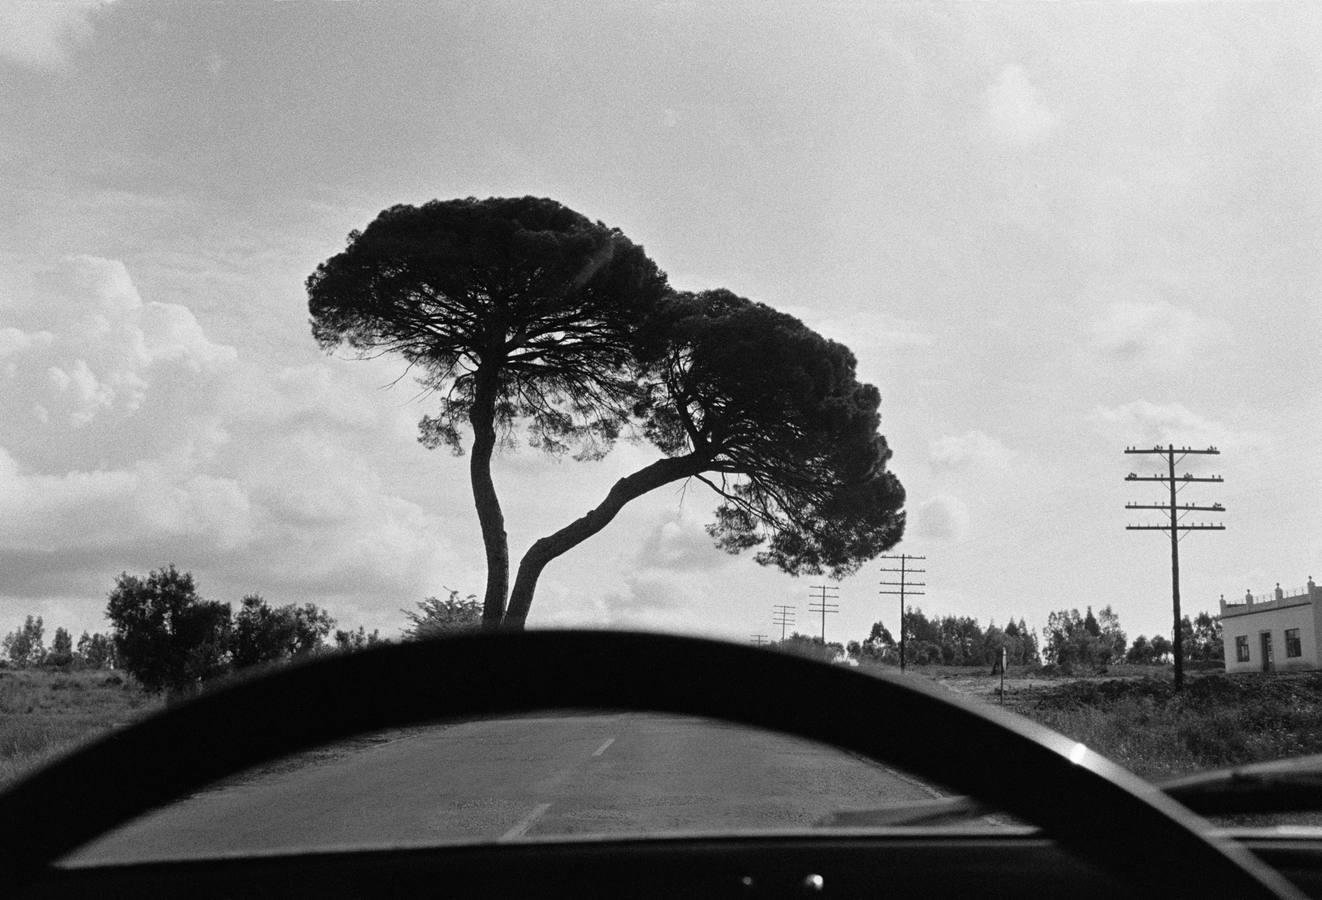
(1294,647)
(1242,648)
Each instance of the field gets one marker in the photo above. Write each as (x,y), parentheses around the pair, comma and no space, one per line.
(43,713)
(1137,720)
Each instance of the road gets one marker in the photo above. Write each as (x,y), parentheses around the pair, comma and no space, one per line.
(512,779)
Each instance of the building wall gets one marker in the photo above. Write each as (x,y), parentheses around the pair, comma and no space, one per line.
(1276,617)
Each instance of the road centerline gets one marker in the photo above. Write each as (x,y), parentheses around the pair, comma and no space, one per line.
(522,826)
(602,749)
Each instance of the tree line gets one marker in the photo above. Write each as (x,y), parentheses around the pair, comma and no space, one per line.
(169,638)
(1071,641)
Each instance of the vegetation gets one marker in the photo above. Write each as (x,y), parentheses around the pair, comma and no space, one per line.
(44,712)
(511,309)
(791,449)
(1218,720)
(520,310)
(435,617)
(170,639)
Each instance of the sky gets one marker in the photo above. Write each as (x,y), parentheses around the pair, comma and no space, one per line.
(1047,233)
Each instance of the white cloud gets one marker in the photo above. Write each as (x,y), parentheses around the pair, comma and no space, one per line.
(972,448)
(1154,334)
(40,34)
(941,518)
(99,347)
(1144,424)
(1015,111)
(679,542)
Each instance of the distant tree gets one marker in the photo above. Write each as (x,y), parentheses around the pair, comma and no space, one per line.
(435,617)
(166,635)
(61,649)
(810,647)
(1139,652)
(348,641)
(263,634)
(1161,648)
(770,415)
(1202,638)
(511,309)
(1111,639)
(95,651)
(26,646)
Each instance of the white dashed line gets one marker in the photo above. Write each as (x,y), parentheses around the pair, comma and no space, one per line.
(525,823)
(602,749)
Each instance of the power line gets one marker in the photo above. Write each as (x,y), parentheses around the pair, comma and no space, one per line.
(758,639)
(783,616)
(905,588)
(823,605)
(1175,512)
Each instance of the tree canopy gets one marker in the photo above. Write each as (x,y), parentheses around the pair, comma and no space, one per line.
(167,636)
(771,416)
(510,309)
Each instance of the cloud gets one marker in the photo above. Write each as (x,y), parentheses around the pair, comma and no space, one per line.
(1145,424)
(41,34)
(973,448)
(942,518)
(1015,111)
(679,542)
(130,439)
(1154,334)
(98,347)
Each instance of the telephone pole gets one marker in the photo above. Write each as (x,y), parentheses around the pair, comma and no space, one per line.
(823,605)
(758,639)
(783,616)
(1176,512)
(905,588)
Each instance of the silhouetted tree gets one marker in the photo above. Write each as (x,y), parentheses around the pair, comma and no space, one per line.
(262,633)
(767,413)
(435,617)
(348,641)
(165,634)
(511,309)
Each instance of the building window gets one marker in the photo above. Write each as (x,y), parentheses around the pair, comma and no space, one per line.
(1292,647)
(1242,648)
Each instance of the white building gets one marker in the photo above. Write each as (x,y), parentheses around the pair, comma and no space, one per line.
(1273,634)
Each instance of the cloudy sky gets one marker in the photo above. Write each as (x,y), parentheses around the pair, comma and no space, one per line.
(1047,232)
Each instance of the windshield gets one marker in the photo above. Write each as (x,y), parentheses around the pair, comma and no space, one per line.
(973,343)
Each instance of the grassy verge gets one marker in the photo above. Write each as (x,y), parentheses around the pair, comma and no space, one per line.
(1137,720)
(45,713)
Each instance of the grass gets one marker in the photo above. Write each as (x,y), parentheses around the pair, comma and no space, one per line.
(1134,717)
(45,713)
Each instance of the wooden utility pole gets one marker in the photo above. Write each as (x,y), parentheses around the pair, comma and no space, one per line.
(905,589)
(823,606)
(782,615)
(758,639)
(1176,511)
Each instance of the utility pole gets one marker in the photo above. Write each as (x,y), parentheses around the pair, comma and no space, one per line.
(758,639)
(783,616)
(1176,512)
(823,605)
(905,588)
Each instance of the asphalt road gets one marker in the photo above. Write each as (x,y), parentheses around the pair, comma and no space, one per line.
(515,779)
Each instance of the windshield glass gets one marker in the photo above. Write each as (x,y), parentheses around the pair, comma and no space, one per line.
(540,777)
(971,343)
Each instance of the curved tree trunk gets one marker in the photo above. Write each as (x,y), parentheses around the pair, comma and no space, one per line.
(544,550)
(489,515)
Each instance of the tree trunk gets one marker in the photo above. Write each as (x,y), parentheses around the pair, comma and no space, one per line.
(489,515)
(544,550)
